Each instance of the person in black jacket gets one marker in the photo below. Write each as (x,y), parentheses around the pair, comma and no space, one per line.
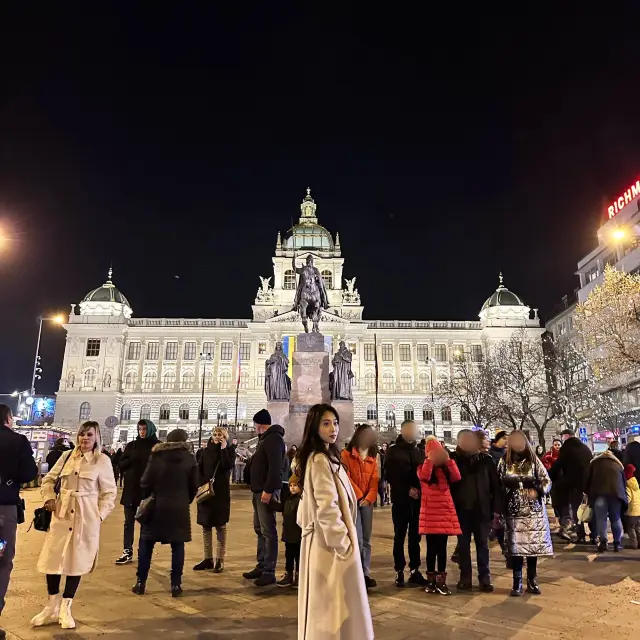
(172,478)
(401,466)
(265,477)
(291,534)
(17,466)
(216,462)
(58,449)
(614,447)
(132,465)
(115,463)
(568,473)
(632,454)
(477,499)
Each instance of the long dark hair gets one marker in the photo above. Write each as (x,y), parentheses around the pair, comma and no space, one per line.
(313,443)
(5,412)
(360,429)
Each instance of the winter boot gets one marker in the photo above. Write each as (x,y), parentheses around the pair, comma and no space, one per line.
(176,590)
(431,582)
(532,586)
(66,619)
(50,614)
(286,580)
(464,584)
(516,590)
(219,568)
(204,565)
(416,578)
(138,588)
(441,584)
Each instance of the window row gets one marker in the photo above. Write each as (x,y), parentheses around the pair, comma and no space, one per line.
(459,352)
(290,279)
(188,381)
(387,381)
(189,350)
(409,414)
(164,412)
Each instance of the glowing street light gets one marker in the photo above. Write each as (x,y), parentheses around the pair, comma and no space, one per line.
(619,234)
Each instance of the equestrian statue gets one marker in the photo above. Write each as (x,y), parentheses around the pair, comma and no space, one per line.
(311,296)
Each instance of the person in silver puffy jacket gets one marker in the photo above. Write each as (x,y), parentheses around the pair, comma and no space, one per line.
(525,482)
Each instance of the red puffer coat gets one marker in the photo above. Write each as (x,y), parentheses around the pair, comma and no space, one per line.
(437,512)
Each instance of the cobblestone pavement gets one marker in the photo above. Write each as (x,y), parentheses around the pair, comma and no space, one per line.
(584,596)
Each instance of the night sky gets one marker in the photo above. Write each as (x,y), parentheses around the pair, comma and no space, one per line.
(176,144)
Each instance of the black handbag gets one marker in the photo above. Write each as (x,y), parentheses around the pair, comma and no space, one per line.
(41,516)
(146,510)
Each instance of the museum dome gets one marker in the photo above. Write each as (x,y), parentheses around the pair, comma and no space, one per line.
(308,234)
(106,300)
(502,297)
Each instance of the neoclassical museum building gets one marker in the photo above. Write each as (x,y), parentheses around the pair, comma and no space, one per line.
(122,367)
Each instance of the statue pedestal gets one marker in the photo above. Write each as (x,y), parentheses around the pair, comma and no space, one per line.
(279,411)
(345,411)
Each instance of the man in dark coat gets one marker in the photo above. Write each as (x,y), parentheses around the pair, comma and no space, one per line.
(632,455)
(477,499)
(568,475)
(17,466)
(614,447)
(265,477)
(498,446)
(216,462)
(401,467)
(132,465)
(172,478)
(57,450)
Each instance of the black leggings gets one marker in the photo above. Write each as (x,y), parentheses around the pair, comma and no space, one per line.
(436,550)
(70,586)
(532,565)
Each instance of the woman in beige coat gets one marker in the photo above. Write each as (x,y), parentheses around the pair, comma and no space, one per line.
(87,496)
(332,598)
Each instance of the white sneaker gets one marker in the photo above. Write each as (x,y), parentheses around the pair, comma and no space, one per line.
(50,614)
(66,619)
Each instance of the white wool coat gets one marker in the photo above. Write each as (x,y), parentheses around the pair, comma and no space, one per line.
(87,497)
(332,597)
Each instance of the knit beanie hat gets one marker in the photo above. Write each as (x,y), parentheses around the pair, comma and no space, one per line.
(262,417)
(629,471)
(433,445)
(294,479)
(177,435)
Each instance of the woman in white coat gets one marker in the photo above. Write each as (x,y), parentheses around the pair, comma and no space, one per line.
(332,598)
(87,496)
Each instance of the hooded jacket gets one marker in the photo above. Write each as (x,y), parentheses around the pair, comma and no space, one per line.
(266,463)
(606,478)
(133,464)
(633,497)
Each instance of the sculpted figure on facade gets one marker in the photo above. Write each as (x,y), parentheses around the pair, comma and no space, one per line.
(340,378)
(277,384)
(311,295)
(350,294)
(265,293)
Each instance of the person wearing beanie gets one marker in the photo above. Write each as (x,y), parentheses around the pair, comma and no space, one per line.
(632,517)
(132,465)
(438,518)
(172,478)
(291,534)
(265,477)
(498,446)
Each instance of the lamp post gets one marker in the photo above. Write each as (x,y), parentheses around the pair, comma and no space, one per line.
(59,319)
(204,358)
(430,362)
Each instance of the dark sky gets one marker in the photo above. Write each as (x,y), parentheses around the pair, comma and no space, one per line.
(177,143)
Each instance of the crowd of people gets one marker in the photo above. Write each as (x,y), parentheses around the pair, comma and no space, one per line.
(482,490)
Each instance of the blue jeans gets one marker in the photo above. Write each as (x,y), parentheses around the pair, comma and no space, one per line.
(145,553)
(611,506)
(264,524)
(364,525)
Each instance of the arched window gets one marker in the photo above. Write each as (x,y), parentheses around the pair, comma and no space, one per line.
(388,383)
(465,416)
(165,412)
(204,413)
(390,416)
(169,381)
(405,381)
(145,412)
(244,379)
(427,414)
(222,413)
(130,380)
(125,413)
(424,382)
(370,381)
(85,411)
(188,381)
(446,414)
(224,381)
(408,412)
(372,414)
(183,412)
(89,378)
(327,278)
(150,379)
(289,279)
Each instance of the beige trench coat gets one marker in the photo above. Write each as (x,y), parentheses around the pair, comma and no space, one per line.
(332,597)
(87,497)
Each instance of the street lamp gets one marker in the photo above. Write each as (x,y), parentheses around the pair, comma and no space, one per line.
(430,362)
(59,319)
(204,358)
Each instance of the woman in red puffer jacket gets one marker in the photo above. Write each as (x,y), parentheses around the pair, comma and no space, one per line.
(438,519)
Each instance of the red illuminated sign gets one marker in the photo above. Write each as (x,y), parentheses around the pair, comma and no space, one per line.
(632,192)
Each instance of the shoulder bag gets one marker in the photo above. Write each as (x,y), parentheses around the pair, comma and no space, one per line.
(146,510)
(207,490)
(41,516)
(585,512)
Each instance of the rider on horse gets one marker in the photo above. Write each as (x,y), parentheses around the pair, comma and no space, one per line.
(311,296)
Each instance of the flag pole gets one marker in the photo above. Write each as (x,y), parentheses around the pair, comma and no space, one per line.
(375,351)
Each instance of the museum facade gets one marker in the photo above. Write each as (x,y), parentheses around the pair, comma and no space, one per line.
(125,368)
